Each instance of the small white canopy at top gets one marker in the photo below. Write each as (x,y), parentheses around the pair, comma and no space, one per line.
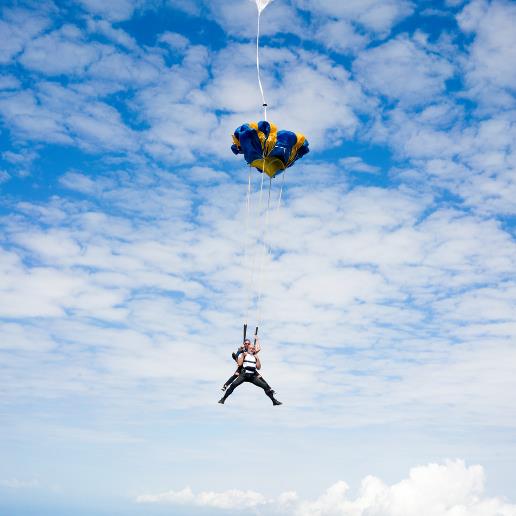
(261,4)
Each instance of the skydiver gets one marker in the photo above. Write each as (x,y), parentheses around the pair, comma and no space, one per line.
(250,364)
(235,356)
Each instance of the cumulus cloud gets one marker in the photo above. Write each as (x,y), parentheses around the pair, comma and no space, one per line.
(53,113)
(403,70)
(114,10)
(373,15)
(19,27)
(490,77)
(67,42)
(446,489)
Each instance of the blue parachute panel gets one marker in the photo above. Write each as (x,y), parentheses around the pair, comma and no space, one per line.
(267,149)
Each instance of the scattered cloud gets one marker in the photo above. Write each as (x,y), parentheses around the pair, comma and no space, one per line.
(19,27)
(356,164)
(228,500)
(15,483)
(4,176)
(435,489)
(373,15)
(489,75)
(114,10)
(403,70)
(67,42)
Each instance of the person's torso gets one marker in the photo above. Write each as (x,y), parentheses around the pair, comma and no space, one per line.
(249,364)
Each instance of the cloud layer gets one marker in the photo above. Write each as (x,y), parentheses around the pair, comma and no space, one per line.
(447,489)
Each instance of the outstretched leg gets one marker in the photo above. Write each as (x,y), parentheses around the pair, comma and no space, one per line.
(241,379)
(260,382)
(265,381)
(230,380)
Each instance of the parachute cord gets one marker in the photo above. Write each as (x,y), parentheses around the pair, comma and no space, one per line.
(269,247)
(281,191)
(251,294)
(264,103)
(265,254)
(247,272)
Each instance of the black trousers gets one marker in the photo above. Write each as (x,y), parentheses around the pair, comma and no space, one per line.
(238,373)
(252,378)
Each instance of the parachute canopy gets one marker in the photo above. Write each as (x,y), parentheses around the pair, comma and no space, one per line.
(267,149)
(262,4)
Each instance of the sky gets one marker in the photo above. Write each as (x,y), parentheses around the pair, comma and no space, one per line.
(388,309)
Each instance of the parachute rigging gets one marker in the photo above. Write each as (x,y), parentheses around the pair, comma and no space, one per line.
(271,152)
(260,5)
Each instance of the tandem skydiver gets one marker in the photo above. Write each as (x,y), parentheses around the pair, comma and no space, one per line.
(248,366)
(243,348)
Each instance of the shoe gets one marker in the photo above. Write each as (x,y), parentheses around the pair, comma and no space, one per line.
(276,402)
(221,401)
(234,356)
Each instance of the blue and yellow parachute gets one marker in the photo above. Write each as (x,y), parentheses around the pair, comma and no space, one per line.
(267,149)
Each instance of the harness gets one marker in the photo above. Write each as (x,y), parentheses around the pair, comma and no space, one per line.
(249,364)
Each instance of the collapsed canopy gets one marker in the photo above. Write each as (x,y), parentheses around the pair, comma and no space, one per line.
(267,149)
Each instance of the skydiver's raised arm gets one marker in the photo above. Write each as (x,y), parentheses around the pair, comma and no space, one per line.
(257,347)
(258,363)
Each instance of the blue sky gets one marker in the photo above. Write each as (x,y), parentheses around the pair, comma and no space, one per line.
(388,318)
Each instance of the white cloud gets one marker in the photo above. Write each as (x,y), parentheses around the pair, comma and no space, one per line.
(68,43)
(9,82)
(191,7)
(4,176)
(80,57)
(403,70)
(356,164)
(174,40)
(15,483)
(228,500)
(447,489)
(53,113)
(373,15)
(18,27)
(117,36)
(114,10)
(489,73)
(339,35)
(22,157)
(234,18)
